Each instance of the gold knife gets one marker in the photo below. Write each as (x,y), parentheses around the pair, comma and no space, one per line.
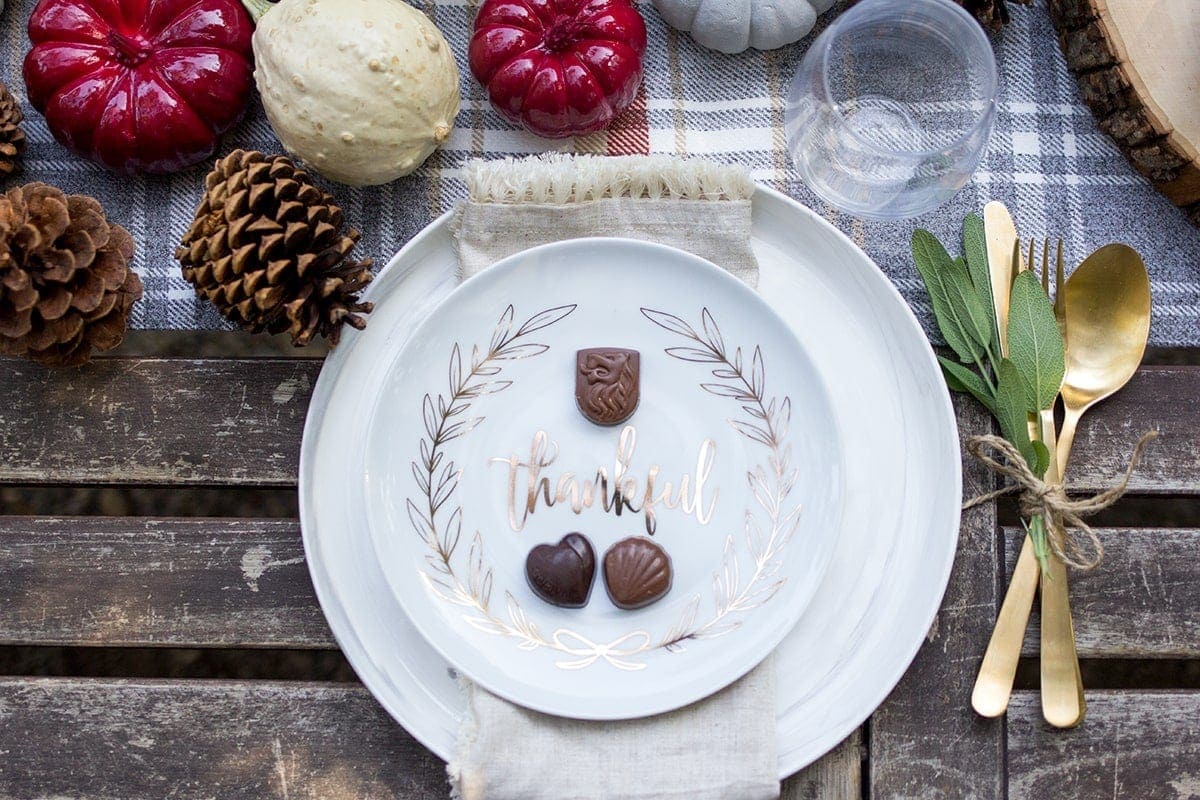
(1004,262)
(993,686)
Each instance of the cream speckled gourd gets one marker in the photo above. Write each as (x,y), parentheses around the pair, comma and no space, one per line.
(732,26)
(361,90)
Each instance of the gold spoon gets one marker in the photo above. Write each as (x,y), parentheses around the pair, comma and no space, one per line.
(1108,316)
(1107,319)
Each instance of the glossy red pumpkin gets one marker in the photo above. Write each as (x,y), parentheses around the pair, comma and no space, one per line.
(559,67)
(140,85)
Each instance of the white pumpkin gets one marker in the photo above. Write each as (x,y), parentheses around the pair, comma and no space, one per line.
(732,26)
(361,90)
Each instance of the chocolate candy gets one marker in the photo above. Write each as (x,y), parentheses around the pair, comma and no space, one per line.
(561,574)
(606,384)
(637,572)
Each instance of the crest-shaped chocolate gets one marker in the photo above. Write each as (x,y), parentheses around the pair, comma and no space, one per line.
(607,383)
(637,572)
(561,574)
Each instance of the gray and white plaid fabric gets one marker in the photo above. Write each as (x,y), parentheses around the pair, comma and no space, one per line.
(1047,160)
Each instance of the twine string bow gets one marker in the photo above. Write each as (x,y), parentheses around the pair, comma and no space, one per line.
(1070,538)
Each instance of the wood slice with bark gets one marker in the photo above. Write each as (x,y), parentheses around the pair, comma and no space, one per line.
(1138,66)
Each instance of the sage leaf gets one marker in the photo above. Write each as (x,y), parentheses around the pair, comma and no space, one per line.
(1011,411)
(1043,457)
(961,379)
(974,244)
(960,315)
(1035,344)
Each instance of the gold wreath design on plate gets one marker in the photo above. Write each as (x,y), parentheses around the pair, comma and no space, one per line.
(762,420)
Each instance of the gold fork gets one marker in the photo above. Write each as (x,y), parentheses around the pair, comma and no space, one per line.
(1060,676)
(1060,303)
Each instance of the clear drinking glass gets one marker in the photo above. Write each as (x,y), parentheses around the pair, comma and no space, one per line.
(890,110)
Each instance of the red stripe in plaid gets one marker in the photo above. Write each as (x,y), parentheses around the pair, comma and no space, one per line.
(630,133)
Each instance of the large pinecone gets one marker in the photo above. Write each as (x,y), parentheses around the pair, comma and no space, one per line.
(12,138)
(267,249)
(65,283)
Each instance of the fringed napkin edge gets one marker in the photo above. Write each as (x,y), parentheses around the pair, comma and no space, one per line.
(562,178)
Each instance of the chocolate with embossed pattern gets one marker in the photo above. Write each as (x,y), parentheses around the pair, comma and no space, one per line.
(607,384)
(561,574)
(637,572)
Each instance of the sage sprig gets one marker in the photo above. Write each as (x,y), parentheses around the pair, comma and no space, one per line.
(1014,389)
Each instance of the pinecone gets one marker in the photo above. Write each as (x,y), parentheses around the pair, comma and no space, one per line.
(12,138)
(65,283)
(266,248)
(992,14)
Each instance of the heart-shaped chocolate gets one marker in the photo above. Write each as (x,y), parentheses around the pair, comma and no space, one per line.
(561,574)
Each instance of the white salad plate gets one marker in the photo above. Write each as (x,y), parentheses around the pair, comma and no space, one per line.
(476,451)
(896,450)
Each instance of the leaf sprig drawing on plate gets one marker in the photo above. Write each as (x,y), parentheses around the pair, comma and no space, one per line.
(447,418)
(766,422)
(436,476)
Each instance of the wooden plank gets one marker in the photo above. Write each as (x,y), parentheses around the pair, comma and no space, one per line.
(127,581)
(1143,745)
(1163,398)
(1143,601)
(154,421)
(925,739)
(144,740)
(220,582)
(835,776)
(238,422)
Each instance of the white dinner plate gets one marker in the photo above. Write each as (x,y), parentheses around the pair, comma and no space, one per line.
(476,451)
(901,486)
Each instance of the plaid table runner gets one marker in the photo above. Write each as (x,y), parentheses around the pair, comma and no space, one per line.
(1047,160)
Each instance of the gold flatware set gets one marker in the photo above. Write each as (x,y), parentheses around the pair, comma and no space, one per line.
(1103,312)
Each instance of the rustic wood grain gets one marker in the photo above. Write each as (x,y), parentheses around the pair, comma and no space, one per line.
(222,582)
(1143,745)
(1143,601)
(126,581)
(925,741)
(1136,66)
(146,740)
(1166,399)
(238,422)
(835,776)
(154,421)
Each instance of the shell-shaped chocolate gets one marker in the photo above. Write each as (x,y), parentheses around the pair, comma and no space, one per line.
(637,572)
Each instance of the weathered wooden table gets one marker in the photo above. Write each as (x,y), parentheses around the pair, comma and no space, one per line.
(88,588)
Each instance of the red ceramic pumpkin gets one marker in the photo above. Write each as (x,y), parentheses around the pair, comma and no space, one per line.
(559,67)
(140,85)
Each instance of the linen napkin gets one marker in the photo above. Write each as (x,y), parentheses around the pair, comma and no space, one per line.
(722,747)
(515,204)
